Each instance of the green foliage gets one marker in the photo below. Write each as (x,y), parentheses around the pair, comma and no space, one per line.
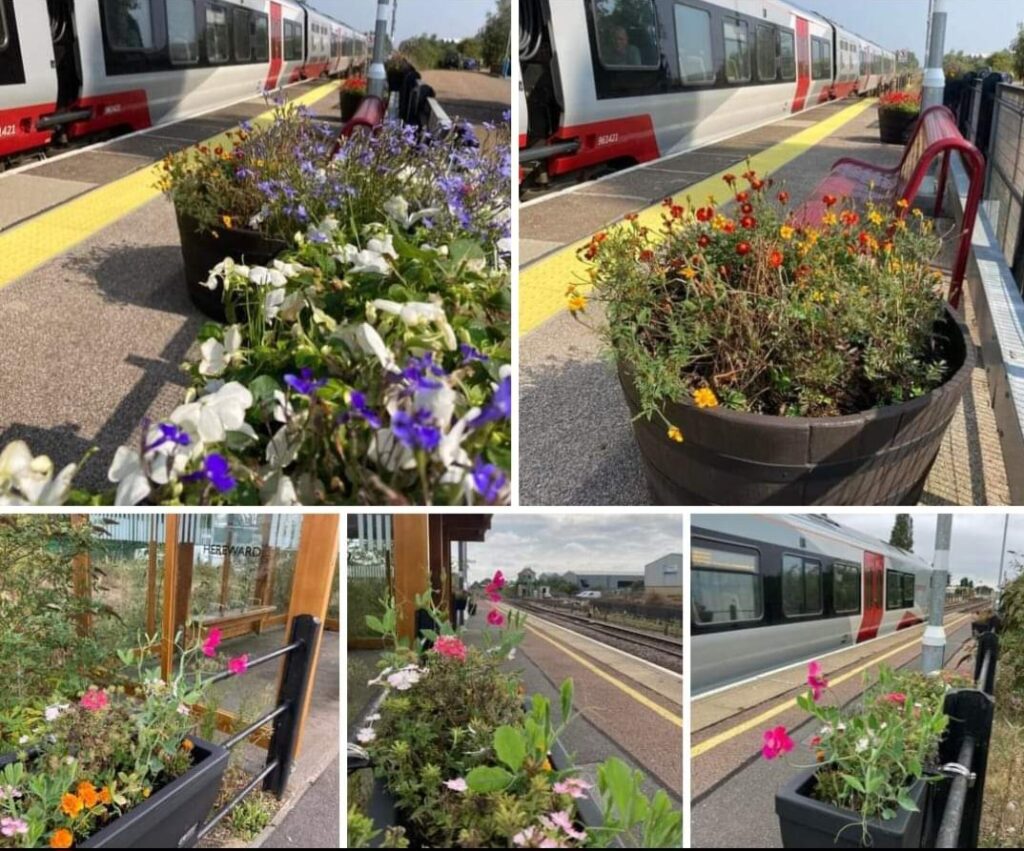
(494,37)
(1017,49)
(903,532)
(251,816)
(361,833)
(428,51)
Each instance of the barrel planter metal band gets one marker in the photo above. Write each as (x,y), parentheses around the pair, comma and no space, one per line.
(806,822)
(172,816)
(878,457)
(203,248)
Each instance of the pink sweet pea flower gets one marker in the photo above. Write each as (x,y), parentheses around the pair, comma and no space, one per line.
(450,646)
(776,742)
(896,697)
(457,785)
(212,643)
(563,821)
(574,787)
(94,700)
(495,618)
(498,580)
(239,665)
(13,826)
(816,680)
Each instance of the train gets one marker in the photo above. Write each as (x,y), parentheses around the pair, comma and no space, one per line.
(76,69)
(612,83)
(769,591)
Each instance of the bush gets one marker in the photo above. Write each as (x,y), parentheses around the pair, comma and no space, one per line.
(760,314)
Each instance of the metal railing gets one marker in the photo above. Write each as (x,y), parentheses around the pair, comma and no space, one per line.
(964,752)
(299,656)
(1004,196)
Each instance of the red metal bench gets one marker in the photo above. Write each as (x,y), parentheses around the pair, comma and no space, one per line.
(934,135)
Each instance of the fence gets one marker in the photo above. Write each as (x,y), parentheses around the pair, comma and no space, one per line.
(964,752)
(300,655)
(1005,183)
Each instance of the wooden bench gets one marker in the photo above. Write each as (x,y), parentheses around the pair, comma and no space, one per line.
(934,135)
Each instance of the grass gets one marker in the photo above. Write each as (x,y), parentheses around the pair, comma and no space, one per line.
(1002,819)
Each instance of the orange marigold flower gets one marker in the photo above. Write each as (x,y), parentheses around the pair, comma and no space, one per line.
(105,796)
(577,303)
(783,197)
(703,240)
(62,838)
(743,248)
(87,792)
(903,203)
(705,397)
(228,222)
(187,744)
(775,258)
(631,217)
(705,214)
(729,178)
(742,197)
(829,200)
(729,226)
(71,805)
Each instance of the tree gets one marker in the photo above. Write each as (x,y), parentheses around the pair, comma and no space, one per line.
(903,532)
(1001,60)
(1017,48)
(957,63)
(494,37)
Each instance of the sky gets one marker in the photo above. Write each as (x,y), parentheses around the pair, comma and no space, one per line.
(976,540)
(555,543)
(974,26)
(450,19)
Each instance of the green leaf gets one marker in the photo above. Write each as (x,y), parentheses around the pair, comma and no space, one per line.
(465,249)
(488,778)
(375,625)
(262,387)
(906,802)
(510,746)
(855,783)
(566,695)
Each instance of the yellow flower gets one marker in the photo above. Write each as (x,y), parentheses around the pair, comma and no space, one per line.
(875,217)
(786,232)
(675,434)
(705,397)
(917,213)
(829,219)
(900,224)
(817,296)
(577,303)
(228,222)
(689,273)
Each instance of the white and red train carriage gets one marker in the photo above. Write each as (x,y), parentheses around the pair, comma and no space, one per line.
(769,591)
(621,82)
(71,69)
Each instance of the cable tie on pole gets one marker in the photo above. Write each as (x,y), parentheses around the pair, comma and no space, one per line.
(955,769)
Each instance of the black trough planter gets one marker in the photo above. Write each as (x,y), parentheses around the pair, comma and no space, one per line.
(808,823)
(172,816)
(350,103)
(894,126)
(878,457)
(202,249)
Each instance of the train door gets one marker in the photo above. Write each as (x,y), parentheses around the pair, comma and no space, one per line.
(28,82)
(65,51)
(803,63)
(276,47)
(874,596)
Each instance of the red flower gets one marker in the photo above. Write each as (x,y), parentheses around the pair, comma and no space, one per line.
(94,700)
(775,258)
(677,211)
(749,222)
(829,200)
(729,178)
(816,680)
(729,226)
(783,197)
(495,618)
(631,217)
(743,248)
(757,185)
(897,697)
(647,255)
(450,646)
(815,741)
(212,641)
(747,209)
(742,197)
(775,742)
(849,217)
(703,240)
(705,214)
(239,665)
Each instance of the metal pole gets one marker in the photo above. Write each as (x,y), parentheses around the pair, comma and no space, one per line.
(1002,561)
(933,645)
(376,79)
(934,78)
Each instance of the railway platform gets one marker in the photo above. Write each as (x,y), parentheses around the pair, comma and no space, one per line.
(728,773)
(566,382)
(92,296)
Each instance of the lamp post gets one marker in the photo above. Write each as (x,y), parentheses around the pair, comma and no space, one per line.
(933,645)
(376,78)
(934,78)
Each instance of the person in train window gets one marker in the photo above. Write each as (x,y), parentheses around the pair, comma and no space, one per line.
(620,50)
(123,18)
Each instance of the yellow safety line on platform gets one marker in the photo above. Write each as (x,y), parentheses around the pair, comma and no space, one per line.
(31,244)
(750,724)
(621,686)
(542,284)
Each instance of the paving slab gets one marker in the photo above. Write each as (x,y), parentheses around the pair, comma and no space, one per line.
(25,195)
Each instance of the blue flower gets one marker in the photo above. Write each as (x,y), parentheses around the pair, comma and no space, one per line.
(169,433)
(304,383)
(416,430)
(357,401)
(500,406)
(489,480)
(418,371)
(216,471)
(471,354)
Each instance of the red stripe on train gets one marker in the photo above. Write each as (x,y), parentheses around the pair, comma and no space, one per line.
(18,131)
(122,109)
(276,47)
(874,596)
(803,63)
(626,138)
(909,619)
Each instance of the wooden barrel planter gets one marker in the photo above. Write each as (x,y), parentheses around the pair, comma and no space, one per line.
(878,457)
(350,104)
(203,248)
(172,816)
(894,126)
(806,822)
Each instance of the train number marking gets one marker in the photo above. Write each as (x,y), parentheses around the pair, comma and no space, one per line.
(8,130)
(607,139)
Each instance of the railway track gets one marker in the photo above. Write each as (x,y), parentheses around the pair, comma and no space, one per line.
(660,650)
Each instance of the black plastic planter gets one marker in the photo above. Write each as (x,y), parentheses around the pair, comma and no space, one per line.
(808,823)
(350,103)
(878,457)
(172,816)
(894,126)
(202,249)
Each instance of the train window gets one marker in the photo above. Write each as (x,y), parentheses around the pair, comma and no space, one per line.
(726,586)
(766,66)
(218,36)
(181,32)
(260,38)
(908,590)
(845,588)
(292,40)
(899,590)
(129,24)
(627,34)
(787,55)
(243,35)
(737,51)
(801,586)
(3,29)
(821,59)
(693,41)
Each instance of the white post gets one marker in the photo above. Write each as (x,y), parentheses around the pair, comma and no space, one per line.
(376,79)
(1002,561)
(934,78)
(933,645)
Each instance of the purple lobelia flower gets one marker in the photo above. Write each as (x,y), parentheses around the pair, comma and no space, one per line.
(500,406)
(418,372)
(357,402)
(417,431)
(169,433)
(488,480)
(304,383)
(471,354)
(217,471)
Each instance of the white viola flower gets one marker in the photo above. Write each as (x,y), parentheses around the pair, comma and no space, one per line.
(264,277)
(370,261)
(209,418)
(418,313)
(222,271)
(293,270)
(863,743)
(54,711)
(505,245)
(511,654)
(283,409)
(440,401)
(389,452)
(398,210)
(373,718)
(282,492)
(365,338)
(28,480)
(217,356)
(281,449)
(135,478)
(366,735)
(272,302)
